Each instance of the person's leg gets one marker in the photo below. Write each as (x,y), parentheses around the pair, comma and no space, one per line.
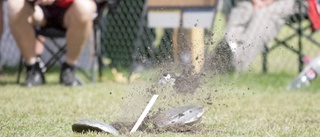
(238,21)
(39,48)
(263,27)
(21,17)
(221,60)
(79,23)
(39,45)
(19,12)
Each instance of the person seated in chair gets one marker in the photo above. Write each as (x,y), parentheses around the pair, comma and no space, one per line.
(251,25)
(75,16)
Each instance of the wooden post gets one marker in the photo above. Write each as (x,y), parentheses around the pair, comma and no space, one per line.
(197,48)
(188,34)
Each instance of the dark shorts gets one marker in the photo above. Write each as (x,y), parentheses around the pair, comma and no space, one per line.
(54,16)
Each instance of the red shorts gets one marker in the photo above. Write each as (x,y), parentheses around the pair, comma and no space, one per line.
(59,3)
(64,3)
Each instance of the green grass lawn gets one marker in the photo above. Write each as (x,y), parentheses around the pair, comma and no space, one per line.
(248,104)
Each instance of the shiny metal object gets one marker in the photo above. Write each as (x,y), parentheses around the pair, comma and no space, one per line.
(186,115)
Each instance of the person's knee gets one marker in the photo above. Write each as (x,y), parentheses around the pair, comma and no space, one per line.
(83,10)
(18,10)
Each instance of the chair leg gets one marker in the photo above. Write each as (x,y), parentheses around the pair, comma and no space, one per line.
(93,57)
(100,65)
(97,42)
(56,56)
(265,60)
(20,70)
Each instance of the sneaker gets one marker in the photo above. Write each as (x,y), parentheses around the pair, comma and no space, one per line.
(35,76)
(68,76)
(41,64)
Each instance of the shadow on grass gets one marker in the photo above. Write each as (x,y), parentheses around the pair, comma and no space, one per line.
(6,83)
(9,76)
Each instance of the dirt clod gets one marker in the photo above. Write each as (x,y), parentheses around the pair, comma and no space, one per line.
(187,82)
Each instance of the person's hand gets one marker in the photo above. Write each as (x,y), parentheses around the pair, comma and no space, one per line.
(44,2)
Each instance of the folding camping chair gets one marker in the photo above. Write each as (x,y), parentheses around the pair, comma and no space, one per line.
(54,34)
(300,33)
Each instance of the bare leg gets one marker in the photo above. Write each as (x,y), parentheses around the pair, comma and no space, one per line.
(19,16)
(78,21)
(39,45)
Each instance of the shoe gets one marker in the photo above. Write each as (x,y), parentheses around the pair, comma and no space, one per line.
(41,64)
(68,76)
(35,76)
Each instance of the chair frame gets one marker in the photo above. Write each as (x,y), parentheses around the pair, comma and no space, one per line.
(297,18)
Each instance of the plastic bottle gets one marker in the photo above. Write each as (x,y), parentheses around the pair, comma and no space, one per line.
(308,74)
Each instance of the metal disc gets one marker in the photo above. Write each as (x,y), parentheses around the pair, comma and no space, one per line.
(186,115)
(85,125)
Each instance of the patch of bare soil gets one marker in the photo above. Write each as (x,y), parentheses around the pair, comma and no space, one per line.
(123,127)
(183,92)
(149,127)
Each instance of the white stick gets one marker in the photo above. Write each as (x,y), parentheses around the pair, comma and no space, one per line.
(144,113)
